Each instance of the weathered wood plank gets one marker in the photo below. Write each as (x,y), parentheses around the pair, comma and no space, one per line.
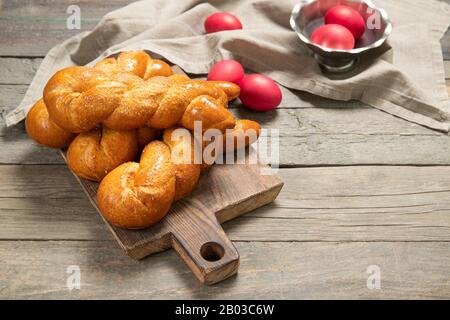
(379,203)
(73,218)
(10,96)
(31,28)
(34,270)
(319,132)
(361,210)
(330,134)
(18,148)
(18,70)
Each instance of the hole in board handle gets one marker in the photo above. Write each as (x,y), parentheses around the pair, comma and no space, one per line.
(212,251)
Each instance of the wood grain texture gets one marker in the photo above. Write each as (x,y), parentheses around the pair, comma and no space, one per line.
(192,226)
(19,149)
(315,132)
(388,205)
(10,96)
(322,132)
(308,137)
(18,71)
(33,270)
(31,28)
(364,203)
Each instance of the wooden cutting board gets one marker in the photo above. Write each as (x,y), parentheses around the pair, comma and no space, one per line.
(192,226)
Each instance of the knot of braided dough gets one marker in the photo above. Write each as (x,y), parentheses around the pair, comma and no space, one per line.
(137,63)
(94,153)
(43,130)
(91,155)
(78,99)
(138,195)
(128,67)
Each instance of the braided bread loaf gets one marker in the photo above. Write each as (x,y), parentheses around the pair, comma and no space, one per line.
(93,154)
(43,130)
(78,99)
(137,63)
(138,195)
(116,92)
(128,67)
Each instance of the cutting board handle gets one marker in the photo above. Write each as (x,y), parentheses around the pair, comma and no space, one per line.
(204,246)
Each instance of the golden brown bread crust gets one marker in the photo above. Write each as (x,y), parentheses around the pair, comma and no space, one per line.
(157,68)
(93,154)
(137,63)
(86,156)
(45,131)
(145,135)
(78,99)
(211,112)
(129,68)
(187,172)
(115,92)
(138,195)
(232,90)
(243,134)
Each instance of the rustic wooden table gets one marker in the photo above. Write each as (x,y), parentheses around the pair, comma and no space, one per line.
(362,188)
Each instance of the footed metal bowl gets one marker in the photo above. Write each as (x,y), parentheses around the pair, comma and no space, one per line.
(308,15)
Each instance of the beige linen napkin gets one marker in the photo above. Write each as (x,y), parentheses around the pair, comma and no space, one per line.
(408,81)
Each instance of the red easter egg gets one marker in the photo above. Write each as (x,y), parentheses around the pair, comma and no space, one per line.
(347,17)
(227,70)
(333,36)
(259,92)
(221,21)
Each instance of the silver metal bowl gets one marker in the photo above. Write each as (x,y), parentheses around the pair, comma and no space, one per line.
(308,15)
